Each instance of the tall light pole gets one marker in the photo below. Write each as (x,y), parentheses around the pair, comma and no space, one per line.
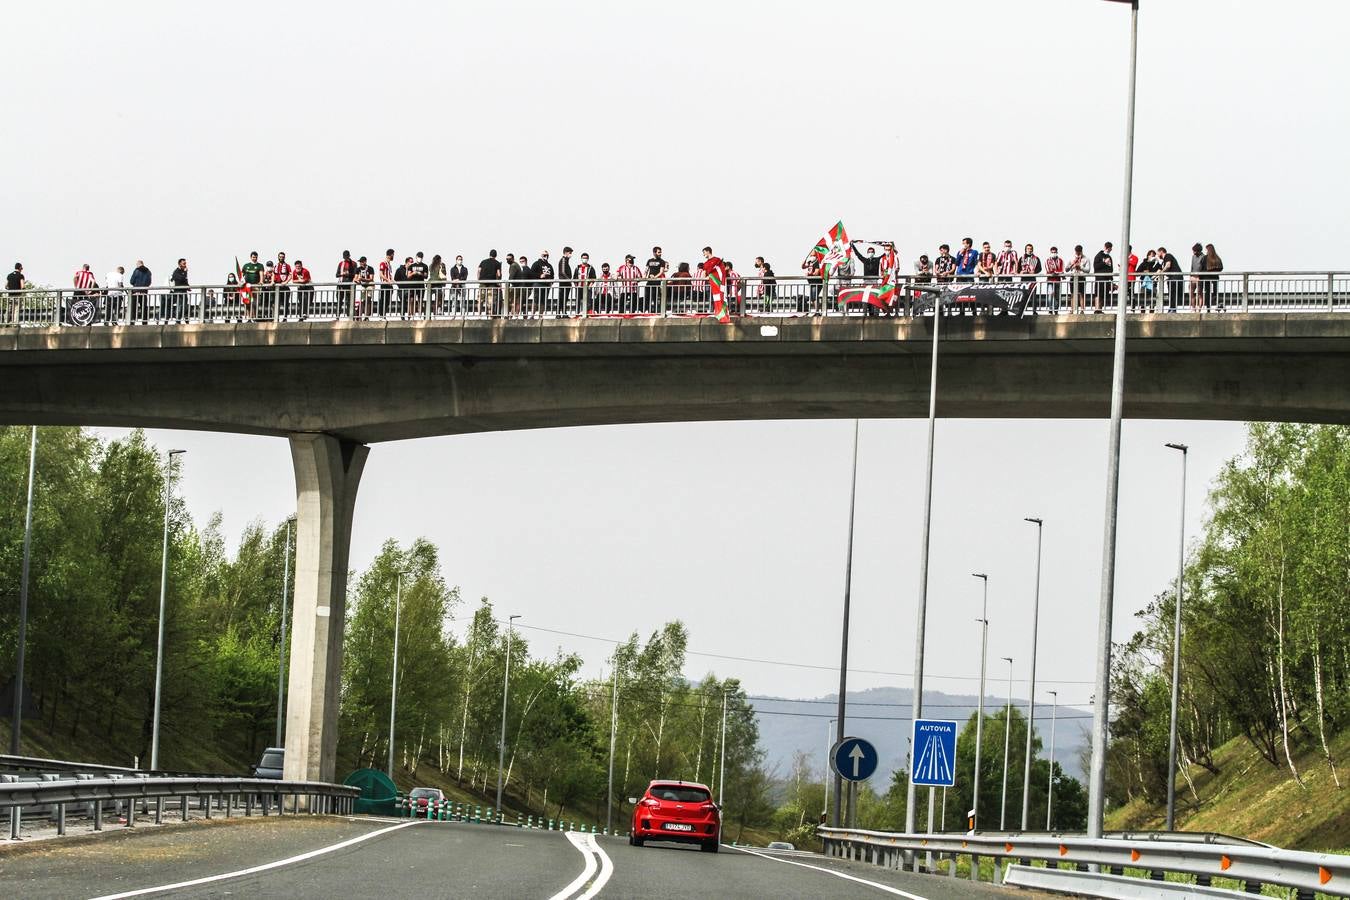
(825,781)
(1007,745)
(1050,788)
(613,736)
(1101,712)
(979,714)
(281,648)
(501,743)
(1176,651)
(163,590)
(722,762)
(1031,703)
(16,718)
(843,640)
(921,613)
(393,690)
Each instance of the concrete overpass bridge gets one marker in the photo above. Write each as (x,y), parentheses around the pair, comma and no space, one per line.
(333,388)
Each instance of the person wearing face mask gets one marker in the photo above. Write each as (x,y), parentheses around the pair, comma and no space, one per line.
(459,275)
(1008,262)
(1054,268)
(542,273)
(583,276)
(986,264)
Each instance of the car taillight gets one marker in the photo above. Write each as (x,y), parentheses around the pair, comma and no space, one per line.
(649,801)
(708,807)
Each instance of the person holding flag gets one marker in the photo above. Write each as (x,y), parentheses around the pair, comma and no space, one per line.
(716,273)
(245,292)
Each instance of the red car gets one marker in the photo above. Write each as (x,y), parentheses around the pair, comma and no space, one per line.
(677,811)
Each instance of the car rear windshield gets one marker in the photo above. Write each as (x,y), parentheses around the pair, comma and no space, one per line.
(272,761)
(418,793)
(679,793)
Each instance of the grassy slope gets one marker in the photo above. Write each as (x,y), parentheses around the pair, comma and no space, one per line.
(1252,799)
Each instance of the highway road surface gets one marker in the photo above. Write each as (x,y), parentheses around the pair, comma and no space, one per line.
(332,857)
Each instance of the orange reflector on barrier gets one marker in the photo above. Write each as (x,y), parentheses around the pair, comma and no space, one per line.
(1323,876)
(964,845)
(1134,856)
(1007,848)
(1063,851)
(1225,862)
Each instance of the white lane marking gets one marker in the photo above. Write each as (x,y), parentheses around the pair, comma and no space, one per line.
(606,869)
(881,887)
(586,873)
(256,869)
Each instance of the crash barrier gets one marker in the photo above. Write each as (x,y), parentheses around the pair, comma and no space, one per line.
(54,797)
(1145,857)
(1210,293)
(455,811)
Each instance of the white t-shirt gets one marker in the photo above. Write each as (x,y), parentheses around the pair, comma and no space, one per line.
(115,280)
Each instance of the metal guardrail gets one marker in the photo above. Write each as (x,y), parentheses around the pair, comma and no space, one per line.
(53,796)
(1253,865)
(1247,292)
(1114,887)
(42,764)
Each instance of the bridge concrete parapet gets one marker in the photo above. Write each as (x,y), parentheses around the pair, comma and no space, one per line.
(375,381)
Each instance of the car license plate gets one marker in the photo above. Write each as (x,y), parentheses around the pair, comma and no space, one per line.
(677,826)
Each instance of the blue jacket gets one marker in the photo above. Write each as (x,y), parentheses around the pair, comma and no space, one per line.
(965,261)
(140,277)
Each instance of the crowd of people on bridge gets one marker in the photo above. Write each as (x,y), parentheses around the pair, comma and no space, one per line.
(411,286)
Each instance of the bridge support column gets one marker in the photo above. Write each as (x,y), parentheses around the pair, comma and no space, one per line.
(327,473)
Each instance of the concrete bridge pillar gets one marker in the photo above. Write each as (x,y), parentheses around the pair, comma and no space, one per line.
(327,473)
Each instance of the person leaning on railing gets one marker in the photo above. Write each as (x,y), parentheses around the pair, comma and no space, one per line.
(140,292)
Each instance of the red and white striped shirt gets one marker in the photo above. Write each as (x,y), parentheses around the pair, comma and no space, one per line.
(1008,262)
(627,276)
(283,273)
(84,280)
(1054,265)
(386,271)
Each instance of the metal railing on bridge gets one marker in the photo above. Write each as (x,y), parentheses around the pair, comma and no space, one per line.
(1246,292)
(1103,866)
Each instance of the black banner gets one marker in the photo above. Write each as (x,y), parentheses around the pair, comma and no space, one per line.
(1009,297)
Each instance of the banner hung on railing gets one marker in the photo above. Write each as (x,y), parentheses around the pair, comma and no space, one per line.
(1012,297)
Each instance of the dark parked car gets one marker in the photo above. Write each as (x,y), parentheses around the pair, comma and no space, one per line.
(271,764)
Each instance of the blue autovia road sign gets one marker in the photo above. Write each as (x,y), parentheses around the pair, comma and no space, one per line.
(854,759)
(934,753)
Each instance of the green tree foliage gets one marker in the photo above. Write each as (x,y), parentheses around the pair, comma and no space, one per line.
(1265,654)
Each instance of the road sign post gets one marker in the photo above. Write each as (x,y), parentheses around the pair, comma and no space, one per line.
(853,759)
(933,762)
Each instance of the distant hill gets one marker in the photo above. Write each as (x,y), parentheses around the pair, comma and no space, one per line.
(881,715)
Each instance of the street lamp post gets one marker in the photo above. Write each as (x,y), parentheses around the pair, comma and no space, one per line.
(393,691)
(1176,651)
(979,714)
(1050,788)
(16,718)
(921,612)
(163,590)
(1100,713)
(825,781)
(1031,702)
(722,762)
(1007,745)
(281,648)
(843,640)
(501,743)
(613,736)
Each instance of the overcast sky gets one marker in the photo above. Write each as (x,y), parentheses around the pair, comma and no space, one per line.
(158,130)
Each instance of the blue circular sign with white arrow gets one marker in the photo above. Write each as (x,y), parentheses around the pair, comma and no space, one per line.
(854,759)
